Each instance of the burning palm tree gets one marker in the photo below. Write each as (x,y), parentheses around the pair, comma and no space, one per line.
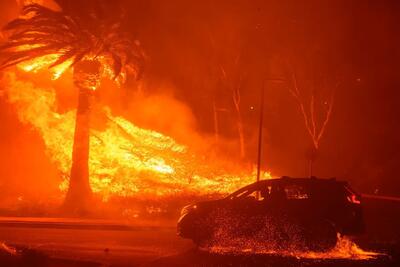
(91,43)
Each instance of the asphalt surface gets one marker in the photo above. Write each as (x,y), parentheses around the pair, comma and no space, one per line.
(59,242)
(92,240)
(68,242)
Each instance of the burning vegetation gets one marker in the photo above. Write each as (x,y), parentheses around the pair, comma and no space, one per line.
(124,160)
(101,155)
(120,159)
(94,47)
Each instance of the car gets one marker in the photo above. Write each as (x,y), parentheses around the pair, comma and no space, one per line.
(311,211)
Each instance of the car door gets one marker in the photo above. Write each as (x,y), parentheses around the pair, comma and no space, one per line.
(242,215)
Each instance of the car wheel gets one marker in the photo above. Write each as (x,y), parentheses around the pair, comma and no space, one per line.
(320,236)
(200,243)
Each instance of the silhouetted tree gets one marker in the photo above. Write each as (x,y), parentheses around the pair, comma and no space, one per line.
(90,35)
(315,107)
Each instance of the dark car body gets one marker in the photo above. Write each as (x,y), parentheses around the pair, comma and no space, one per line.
(321,208)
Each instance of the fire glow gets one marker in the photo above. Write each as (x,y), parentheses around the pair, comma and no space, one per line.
(128,161)
(125,160)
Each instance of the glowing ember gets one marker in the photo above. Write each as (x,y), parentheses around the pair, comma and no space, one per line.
(8,249)
(344,249)
(269,240)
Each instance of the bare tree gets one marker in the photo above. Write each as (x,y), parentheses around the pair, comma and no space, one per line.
(229,75)
(216,111)
(233,82)
(315,109)
(216,123)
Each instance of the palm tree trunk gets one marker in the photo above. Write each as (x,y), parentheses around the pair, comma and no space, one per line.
(79,191)
(87,80)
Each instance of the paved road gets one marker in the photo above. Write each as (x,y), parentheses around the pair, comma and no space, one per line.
(94,241)
(109,243)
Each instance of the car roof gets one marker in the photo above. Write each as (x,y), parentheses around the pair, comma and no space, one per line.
(291,180)
(284,180)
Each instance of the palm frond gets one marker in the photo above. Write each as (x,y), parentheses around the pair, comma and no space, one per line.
(70,35)
(64,57)
(17,57)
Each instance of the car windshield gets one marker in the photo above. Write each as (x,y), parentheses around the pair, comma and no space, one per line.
(243,192)
(289,191)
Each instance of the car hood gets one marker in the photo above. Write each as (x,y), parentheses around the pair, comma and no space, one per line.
(210,203)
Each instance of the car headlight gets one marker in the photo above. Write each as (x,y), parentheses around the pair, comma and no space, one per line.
(188,208)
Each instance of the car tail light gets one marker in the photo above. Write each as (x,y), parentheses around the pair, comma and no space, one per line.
(353,199)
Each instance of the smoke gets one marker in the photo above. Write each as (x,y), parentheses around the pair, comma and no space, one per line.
(154,106)
(25,166)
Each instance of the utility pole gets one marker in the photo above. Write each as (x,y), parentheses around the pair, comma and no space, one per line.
(260,132)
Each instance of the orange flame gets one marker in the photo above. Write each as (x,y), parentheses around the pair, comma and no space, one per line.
(124,160)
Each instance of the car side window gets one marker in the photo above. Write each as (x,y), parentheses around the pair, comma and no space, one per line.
(254,194)
(295,191)
(243,194)
(251,193)
(265,193)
